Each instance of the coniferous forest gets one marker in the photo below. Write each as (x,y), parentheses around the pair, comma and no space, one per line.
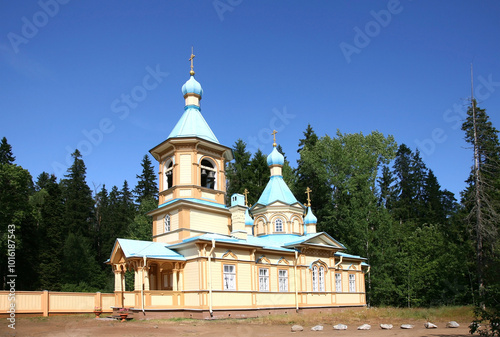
(426,246)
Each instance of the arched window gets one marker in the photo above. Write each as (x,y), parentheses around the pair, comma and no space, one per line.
(166,223)
(278,225)
(318,277)
(208,174)
(168,174)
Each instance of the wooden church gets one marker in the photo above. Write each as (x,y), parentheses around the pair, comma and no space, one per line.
(208,259)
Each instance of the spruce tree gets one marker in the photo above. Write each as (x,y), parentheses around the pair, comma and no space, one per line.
(146,187)
(6,156)
(238,171)
(260,176)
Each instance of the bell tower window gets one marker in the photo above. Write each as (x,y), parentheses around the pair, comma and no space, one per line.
(208,174)
(168,177)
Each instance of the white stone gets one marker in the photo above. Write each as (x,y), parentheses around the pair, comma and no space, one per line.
(406,326)
(452,324)
(386,326)
(340,327)
(317,328)
(364,327)
(297,327)
(429,325)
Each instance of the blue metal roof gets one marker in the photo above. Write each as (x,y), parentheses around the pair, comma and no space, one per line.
(275,158)
(349,255)
(192,86)
(276,190)
(158,250)
(310,217)
(192,124)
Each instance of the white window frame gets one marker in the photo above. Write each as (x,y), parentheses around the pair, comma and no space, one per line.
(229,276)
(281,226)
(352,283)
(166,223)
(321,278)
(263,279)
(283,280)
(315,278)
(209,169)
(338,282)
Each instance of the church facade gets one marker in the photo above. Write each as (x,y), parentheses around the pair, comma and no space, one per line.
(209,259)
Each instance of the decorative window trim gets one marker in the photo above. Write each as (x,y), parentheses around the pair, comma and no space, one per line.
(263,259)
(229,253)
(283,260)
(318,275)
(229,277)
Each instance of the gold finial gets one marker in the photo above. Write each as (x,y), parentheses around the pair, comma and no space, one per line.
(191,59)
(274,137)
(246,200)
(308,192)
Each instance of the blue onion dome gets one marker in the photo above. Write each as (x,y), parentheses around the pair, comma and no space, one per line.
(192,86)
(248,219)
(275,158)
(310,217)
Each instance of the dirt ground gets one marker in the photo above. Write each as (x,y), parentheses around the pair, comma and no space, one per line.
(87,326)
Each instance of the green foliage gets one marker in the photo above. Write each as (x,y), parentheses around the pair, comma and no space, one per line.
(6,156)
(146,185)
(238,172)
(141,228)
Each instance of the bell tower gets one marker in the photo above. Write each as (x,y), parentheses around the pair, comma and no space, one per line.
(192,177)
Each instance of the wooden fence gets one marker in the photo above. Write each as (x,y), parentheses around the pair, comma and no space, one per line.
(48,302)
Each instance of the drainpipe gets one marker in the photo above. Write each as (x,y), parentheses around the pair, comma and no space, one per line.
(210,278)
(142,288)
(295,280)
(340,261)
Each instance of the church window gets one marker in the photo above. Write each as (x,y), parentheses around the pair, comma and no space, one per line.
(318,278)
(283,279)
(315,278)
(229,277)
(166,223)
(321,279)
(208,174)
(168,174)
(263,279)
(338,282)
(278,225)
(352,283)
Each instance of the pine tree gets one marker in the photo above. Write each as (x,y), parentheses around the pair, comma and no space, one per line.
(259,178)
(6,156)
(482,196)
(238,172)
(387,189)
(146,187)
(78,202)
(50,232)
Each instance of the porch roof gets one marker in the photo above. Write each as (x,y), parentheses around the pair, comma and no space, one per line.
(157,250)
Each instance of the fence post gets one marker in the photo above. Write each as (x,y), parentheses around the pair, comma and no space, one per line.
(45,303)
(98,300)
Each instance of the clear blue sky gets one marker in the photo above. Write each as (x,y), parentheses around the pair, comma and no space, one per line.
(399,67)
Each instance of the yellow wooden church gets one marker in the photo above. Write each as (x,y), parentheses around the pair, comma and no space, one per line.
(208,259)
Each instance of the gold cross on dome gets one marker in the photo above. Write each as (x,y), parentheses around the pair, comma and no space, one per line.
(246,200)
(191,59)
(274,137)
(308,192)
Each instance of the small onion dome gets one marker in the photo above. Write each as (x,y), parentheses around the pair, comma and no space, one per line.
(248,219)
(192,86)
(310,217)
(275,158)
